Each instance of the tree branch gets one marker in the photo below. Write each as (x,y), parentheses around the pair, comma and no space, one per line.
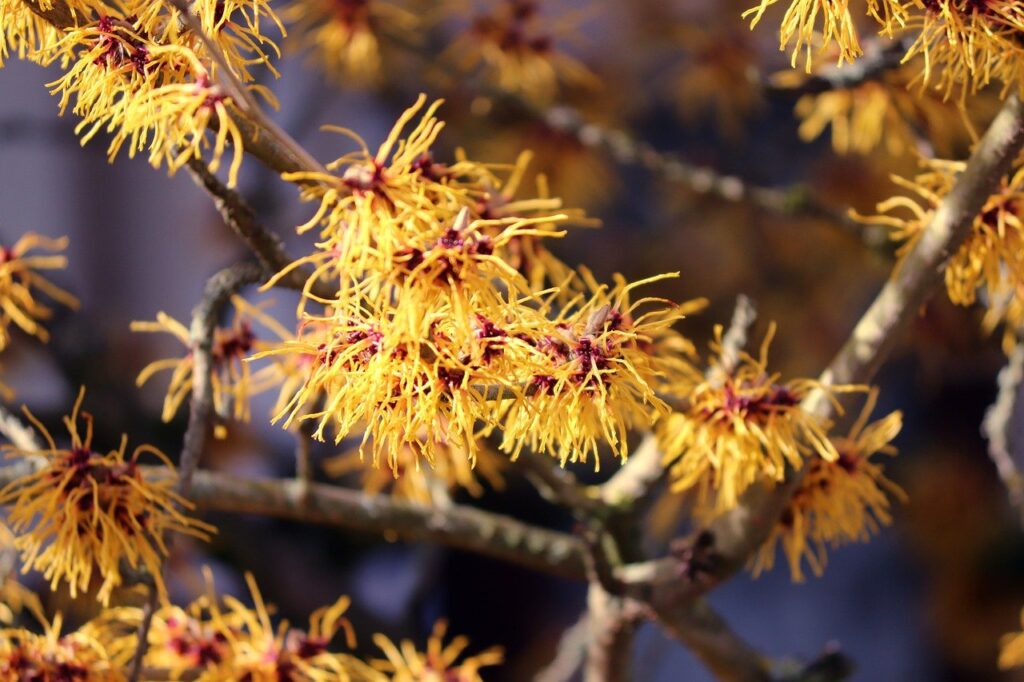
(263,242)
(736,535)
(217,293)
(997,427)
(570,655)
(458,526)
(612,624)
(721,650)
(871,67)
(794,200)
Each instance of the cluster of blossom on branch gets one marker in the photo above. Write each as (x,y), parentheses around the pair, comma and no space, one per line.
(218,638)
(437,337)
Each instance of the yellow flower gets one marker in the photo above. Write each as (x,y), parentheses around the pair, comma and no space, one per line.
(720,84)
(235,26)
(145,79)
(343,34)
(881,113)
(422,388)
(801,22)
(969,44)
(399,219)
(172,122)
(516,46)
(84,511)
(25,34)
(599,363)
(439,663)
(221,639)
(50,657)
(234,381)
(19,277)
(741,428)
(838,502)
(526,253)
(992,257)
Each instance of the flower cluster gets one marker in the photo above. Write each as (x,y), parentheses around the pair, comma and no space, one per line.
(838,502)
(879,113)
(217,639)
(965,44)
(83,511)
(440,331)
(223,639)
(968,43)
(152,79)
(50,656)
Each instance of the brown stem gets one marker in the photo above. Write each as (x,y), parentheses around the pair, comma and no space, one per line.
(998,427)
(721,650)
(456,526)
(263,242)
(216,295)
(142,639)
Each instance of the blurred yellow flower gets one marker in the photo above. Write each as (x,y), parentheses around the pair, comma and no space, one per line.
(439,663)
(416,478)
(20,279)
(515,44)
(344,35)
(51,657)
(992,257)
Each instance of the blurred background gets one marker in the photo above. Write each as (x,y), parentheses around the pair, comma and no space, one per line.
(928,599)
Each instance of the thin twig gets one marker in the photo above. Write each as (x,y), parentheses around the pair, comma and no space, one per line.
(737,534)
(997,426)
(871,67)
(217,293)
(142,643)
(570,654)
(721,650)
(624,149)
(14,430)
(263,242)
